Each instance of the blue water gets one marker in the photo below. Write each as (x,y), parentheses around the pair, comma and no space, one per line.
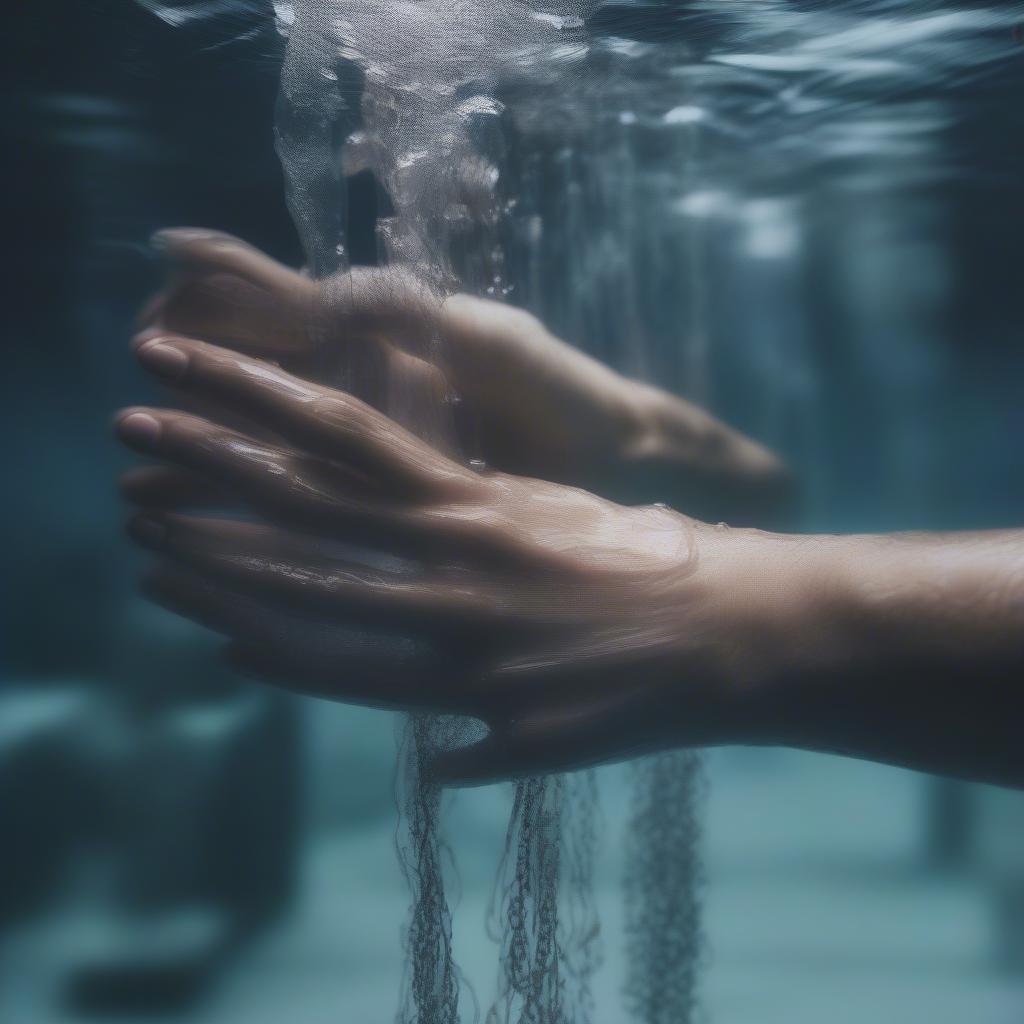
(822,243)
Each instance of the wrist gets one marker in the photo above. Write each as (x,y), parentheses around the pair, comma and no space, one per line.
(904,650)
(783,609)
(852,620)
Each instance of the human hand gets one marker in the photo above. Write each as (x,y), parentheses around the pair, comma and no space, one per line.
(578,630)
(537,406)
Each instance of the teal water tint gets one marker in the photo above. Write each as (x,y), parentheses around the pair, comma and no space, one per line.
(833,262)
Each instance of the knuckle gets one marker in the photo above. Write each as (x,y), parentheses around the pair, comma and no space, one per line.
(337,412)
(327,408)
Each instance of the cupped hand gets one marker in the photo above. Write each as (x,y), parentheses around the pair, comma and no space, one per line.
(531,404)
(577,629)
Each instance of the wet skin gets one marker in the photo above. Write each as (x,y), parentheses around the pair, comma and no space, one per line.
(578,629)
(529,403)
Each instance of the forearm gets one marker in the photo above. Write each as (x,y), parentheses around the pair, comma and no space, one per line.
(906,649)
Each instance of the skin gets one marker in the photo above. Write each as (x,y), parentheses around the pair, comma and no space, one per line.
(528,403)
(580,630)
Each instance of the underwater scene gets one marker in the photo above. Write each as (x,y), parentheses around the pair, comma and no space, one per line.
(591,431)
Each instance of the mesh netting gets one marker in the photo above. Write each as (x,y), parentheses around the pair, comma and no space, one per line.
(662,906)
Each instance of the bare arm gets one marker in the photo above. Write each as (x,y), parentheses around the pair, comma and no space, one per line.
(577,629)
(907,649)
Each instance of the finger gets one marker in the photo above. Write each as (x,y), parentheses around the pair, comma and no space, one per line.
(304,493)
(413,391)
(206,407)
(321,421)
(365,302)
(169,487)
(214,607)
(271,565)
(279,483)
(198,249)
(315,658)
(259,470)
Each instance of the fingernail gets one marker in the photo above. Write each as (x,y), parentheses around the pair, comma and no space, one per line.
(168,238)
(140,430)
(165,360)
(140,339)
(147,531)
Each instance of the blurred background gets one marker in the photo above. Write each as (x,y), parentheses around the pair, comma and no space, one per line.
(178,844)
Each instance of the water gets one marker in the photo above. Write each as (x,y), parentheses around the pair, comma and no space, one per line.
(806,218)
(757,175)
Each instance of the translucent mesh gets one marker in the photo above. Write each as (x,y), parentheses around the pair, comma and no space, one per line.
(662,905)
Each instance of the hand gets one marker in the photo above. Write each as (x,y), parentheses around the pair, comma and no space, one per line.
(536,406)
(577,629)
